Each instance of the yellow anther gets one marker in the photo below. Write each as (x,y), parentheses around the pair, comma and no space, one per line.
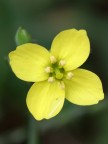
(53,59)
(62,63)
(51,79)
(62,85)
(48,69)
(69,75)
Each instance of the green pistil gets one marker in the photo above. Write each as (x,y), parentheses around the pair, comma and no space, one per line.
(58,73)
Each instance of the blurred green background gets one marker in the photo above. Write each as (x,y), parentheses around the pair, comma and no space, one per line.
(43,19)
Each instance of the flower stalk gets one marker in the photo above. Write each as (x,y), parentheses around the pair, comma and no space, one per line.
(33,133)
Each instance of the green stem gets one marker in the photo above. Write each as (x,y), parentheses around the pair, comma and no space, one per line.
(33,134)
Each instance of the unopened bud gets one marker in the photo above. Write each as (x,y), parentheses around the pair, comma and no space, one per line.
(22,36)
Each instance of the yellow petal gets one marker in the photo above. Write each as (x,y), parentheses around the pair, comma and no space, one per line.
(45,100)
(72,46)
(84,88)
(29,61)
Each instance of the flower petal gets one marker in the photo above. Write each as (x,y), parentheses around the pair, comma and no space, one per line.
(45,100)
(84,88)
(28,62)
(72,46)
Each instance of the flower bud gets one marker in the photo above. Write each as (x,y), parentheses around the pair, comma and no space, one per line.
(22,36)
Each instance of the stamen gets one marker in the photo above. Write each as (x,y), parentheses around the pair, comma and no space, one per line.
(48,69)
(69,75)
(62,85)
(51,79)
(62,63)
(53,59)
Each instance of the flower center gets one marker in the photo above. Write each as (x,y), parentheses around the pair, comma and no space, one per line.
(56,70)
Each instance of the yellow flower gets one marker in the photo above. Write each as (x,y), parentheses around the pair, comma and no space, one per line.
(56,75)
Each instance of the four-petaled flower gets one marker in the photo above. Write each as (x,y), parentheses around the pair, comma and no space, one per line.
(56,75)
